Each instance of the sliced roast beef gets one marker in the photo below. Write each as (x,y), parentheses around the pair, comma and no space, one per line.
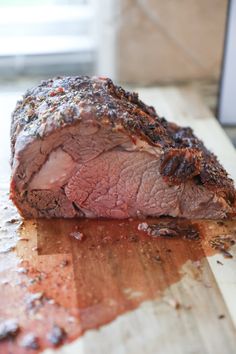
(84,147)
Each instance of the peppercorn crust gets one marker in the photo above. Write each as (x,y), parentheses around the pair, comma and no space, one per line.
(59,102)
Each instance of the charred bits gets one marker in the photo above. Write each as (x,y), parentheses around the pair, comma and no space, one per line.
(57,335)
(30,341)
(170,229)
(9,329)
(222,243)
(77,235)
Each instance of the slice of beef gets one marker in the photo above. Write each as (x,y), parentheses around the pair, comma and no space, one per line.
(84,147)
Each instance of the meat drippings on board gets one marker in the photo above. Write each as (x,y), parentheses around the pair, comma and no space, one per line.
(52,274)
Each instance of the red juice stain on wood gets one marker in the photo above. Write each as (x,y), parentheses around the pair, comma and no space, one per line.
(82,284)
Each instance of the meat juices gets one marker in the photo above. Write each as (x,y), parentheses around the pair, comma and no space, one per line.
(83,147)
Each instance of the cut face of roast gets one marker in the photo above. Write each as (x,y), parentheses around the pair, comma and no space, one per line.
(128,163)
(105,174)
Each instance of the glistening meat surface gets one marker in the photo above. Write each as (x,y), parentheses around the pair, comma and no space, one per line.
(84,147)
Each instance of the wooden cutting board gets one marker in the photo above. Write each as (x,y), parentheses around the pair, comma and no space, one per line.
(111,287)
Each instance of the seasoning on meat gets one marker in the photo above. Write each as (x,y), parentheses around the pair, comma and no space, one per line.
(84,147)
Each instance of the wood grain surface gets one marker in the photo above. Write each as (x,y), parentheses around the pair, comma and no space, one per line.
(118,290)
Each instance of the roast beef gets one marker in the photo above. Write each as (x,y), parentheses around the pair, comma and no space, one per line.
(84,147)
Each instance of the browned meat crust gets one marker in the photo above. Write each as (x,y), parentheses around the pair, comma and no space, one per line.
(61,102)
